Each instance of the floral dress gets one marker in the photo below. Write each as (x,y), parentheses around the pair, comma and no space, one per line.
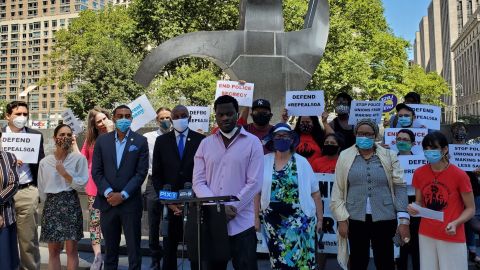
(290,233)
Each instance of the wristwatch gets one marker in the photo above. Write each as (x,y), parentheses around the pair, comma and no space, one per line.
(403,221)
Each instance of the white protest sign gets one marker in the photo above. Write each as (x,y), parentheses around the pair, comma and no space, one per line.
(329,228)
(242,92)
(409,163)
(427,115)
(420,133)
(25,146)
(70,119)
(142,112)
(305,103)
(365,109)
(464,156)
(200,118)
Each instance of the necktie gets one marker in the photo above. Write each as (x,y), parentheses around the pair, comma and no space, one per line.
(181,145)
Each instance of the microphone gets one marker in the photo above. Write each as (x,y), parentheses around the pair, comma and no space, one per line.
(166,194)
(186,193)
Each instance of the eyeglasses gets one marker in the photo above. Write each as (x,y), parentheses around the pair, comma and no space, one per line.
(365,134)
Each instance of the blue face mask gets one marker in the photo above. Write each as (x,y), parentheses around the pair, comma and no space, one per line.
(282,145)
(364,143)
(405,121)
(123,124)
(433,156)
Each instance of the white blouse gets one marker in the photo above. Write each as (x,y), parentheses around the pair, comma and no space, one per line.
(50,181)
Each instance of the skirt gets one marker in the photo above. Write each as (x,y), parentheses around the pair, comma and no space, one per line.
(62,218)
(8,247)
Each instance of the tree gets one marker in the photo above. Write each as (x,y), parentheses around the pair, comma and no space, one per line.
(98,53)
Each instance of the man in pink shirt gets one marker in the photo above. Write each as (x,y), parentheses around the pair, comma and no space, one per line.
(230,162)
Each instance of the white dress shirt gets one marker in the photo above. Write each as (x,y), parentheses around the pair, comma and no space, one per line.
(50,181)
(151,138)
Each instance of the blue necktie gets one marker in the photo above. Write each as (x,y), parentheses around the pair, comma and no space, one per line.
(181,145)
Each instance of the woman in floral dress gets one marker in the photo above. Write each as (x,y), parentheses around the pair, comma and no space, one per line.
(290,202)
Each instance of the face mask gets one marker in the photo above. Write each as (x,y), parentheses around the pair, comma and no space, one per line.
(330,150)
(282,145)
(230,134)
(404,146)
(261,119)
(433,156)
(20,121)
(123,124)
(405,121)
(342,109)
(460,136)
(180,125)
(305,128)
(65,142)
(364,143)
(165,125)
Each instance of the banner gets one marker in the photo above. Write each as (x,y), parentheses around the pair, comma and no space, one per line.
(142,112)
(243,92)
(409,164)
(365,109)
(200,118)
(305,103)
(427,115)
(70,119)
(420,133)
(25,146)
(329,228)
(464,156)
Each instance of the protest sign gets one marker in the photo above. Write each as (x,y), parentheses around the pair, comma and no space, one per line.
(389,102)
(427,115)
(409,163)
(464,156)
(305,103)
(420,133)
(200,118)
(25,146)
(243,92)
(365,109)
(72,121)
(142,112)
(329,240)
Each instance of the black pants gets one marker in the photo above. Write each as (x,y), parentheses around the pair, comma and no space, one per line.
(243,247)
(112,222)
(154,210)
(412,248)
(380,234)
(170,243)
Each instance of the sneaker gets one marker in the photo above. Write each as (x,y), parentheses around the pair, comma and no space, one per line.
(97,263)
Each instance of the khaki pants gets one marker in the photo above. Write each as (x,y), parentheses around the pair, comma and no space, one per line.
(26,204)
(442,255)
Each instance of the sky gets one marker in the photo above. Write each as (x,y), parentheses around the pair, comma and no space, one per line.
(403,16)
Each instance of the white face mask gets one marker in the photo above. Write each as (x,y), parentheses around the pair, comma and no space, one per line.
(180,125)
(20,121)
(230,134)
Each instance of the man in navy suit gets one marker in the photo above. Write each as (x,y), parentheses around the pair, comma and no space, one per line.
(119,167)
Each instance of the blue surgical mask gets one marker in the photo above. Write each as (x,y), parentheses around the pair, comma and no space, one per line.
(405,121)
(282,145)
(433,156)
(180,125)
(364,143)
(123,124)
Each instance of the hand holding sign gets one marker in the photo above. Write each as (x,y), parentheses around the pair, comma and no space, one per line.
(365,109)
(240,90)
(142,112)
(25,146)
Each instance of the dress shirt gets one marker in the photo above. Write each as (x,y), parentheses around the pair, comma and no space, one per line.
(24,173)
(234,170)
(151,138)
(119,148)
(50,181)
(177,137)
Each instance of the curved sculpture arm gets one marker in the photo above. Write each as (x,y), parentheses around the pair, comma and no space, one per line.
(221,46)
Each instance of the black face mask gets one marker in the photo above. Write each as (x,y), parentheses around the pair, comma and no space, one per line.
(261,119)
(306,128)
(330,150)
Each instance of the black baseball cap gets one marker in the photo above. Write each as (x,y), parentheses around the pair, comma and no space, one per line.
(261,103)
(401,106)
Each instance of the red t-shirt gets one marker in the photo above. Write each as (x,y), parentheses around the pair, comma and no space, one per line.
(259,133)
(444,196)
(308,148)
(324,164)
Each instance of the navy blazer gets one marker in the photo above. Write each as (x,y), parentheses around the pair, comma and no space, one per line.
(128,177)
